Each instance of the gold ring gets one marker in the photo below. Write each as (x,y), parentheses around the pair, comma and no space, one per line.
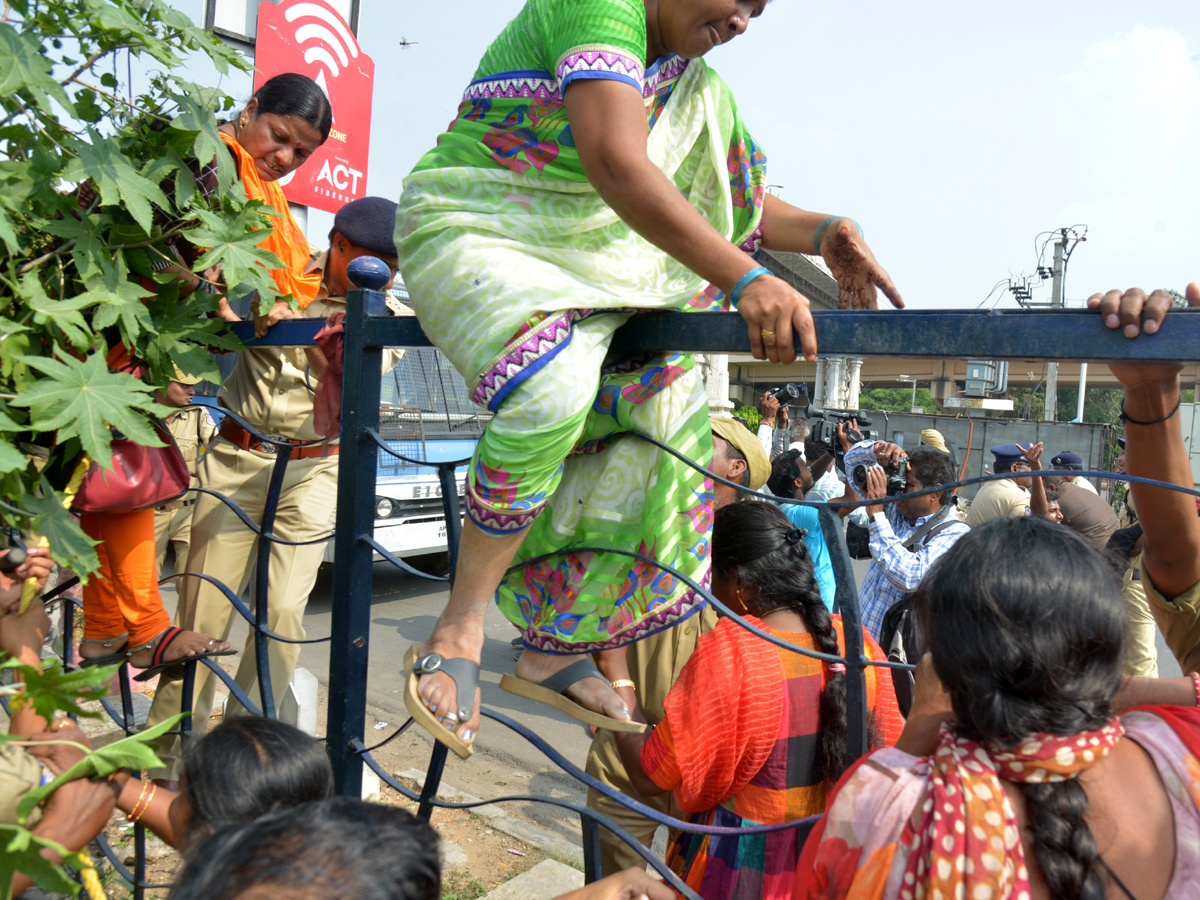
(765,332)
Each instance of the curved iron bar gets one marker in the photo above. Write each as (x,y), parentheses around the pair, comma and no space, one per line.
(126,712)
(254,526)
(266,438)
(937,488)
(241,607)
(696,588)
(629,802)
(60,588)
(584,812)
(118,864)
(374,435)
(400,563)
(391,737)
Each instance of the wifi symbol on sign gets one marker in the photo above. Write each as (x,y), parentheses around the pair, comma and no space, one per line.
(330,43)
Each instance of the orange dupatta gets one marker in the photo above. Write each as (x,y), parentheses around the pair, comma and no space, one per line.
(285,239)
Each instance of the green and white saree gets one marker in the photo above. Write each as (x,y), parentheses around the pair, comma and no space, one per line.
(520,273)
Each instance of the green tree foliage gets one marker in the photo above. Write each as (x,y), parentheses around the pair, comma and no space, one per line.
(52,692)
(78,277)
(750,414)
(895,399)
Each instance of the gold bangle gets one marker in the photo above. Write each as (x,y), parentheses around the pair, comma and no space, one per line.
(145,787)
(136,814)
(623,682)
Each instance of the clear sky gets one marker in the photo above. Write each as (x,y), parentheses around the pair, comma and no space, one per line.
(955,133)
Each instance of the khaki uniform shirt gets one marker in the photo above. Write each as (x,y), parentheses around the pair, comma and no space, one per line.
(20,773)
(192,427)
(998,499)
(272,387)
(1085,484)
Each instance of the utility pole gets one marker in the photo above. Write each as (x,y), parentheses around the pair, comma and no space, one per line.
(1056,302)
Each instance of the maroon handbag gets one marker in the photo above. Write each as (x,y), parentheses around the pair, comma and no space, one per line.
(140,478)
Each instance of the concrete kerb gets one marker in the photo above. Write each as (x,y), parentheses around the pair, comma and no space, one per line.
(544,840)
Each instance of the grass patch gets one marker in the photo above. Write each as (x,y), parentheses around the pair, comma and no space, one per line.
(457,885)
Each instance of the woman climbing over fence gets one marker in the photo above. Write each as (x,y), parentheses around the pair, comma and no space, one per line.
(596,167)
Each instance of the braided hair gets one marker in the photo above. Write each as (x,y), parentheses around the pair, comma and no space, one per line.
(756,543)
(1026,626)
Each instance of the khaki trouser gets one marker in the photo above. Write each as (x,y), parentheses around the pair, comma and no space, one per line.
(1141,652)
(654,664)
(1179,622)
(604,762)
(173,527)
(223,548)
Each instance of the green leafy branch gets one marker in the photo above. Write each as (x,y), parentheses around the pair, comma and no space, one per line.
(97,190)
(57,691)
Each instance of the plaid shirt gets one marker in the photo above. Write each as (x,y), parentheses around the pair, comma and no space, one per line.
(895,570)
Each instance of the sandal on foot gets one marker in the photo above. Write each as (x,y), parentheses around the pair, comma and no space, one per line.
(108,659)
(551,689)
(465,675)
(160,645)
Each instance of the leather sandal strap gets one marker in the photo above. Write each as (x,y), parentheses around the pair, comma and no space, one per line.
(577,671)
(164,641)
(463,672)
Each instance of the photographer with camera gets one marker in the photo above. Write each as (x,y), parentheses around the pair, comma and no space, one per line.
(773,424)
(906,537)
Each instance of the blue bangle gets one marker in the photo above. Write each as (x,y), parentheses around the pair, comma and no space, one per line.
(736,293)
(821,227)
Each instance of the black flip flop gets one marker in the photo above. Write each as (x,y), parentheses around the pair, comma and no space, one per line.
(157,666)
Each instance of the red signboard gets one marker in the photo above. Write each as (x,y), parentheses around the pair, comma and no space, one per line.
(310,37)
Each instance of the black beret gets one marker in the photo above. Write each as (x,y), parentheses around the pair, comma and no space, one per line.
(369,223)
(1067,460)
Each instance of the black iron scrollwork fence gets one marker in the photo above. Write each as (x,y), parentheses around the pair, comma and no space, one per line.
(369,328)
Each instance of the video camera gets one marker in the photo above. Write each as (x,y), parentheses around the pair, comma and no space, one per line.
(824,424)
(897,477)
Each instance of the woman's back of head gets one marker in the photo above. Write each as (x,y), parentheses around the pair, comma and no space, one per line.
(1026,626)
(249,766)
(756,542)
(756,545)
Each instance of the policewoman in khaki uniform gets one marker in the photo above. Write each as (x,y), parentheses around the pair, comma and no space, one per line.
(272,388)
(192,427)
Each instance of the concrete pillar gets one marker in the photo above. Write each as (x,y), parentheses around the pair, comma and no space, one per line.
(853,381)
(835,393)
(716,383)
(298,706)
(818,398)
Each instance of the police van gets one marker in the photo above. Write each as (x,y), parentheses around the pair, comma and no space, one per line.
(425,415)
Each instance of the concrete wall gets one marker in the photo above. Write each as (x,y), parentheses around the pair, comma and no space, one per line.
(1092,442)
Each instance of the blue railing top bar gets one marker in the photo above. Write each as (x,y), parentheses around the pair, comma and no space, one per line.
(942,334)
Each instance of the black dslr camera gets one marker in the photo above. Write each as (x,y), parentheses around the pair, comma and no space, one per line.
(787,393)
(897,477)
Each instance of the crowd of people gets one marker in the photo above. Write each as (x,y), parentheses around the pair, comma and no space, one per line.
(597,167)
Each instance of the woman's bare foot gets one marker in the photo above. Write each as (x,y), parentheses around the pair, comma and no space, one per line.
(186,643)
(95,648)
(438,690)
(591,693)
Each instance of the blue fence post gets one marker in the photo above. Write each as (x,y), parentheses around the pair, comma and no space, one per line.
(847,600)
(351,621)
